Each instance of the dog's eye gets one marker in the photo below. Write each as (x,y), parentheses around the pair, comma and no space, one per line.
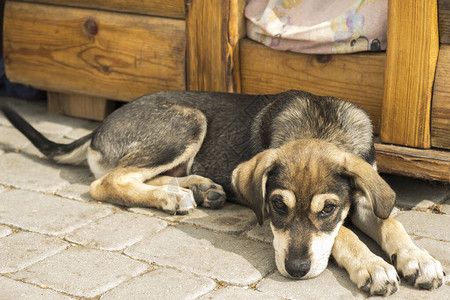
(328,210)
(279,205)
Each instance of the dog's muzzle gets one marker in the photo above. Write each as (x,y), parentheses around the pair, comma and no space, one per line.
(297,268)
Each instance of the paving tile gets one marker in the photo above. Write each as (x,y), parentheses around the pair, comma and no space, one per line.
(30,149)
(4,231)
(60,125)
(31,111)
(47,122)
(426,224)
(217,255)
(411,191)
(445,208)
(395,211)
(333,283)
(152,213)
(12,140)
(431,207)
(35,174)
(82,272)
(116,231)
(22,249)
(50,127)
(76,191)
(162,284)
(80,132)
(424,205)
(46,213)
(14,290)
(36,114)
(438,249)
(261,233)
(232,218)
(237,293)
(406,291)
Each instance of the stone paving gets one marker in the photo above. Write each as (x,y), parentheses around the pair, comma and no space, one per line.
(56,242)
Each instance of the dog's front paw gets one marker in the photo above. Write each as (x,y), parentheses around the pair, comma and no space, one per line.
(178,200)
(419,268)
(376,276)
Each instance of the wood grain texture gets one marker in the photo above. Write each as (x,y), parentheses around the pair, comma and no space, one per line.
(444,21)
(440,110)
(420,163)
(162,8)
(413,45)
(358,78)
(214,28)
(81,106)
(105,54)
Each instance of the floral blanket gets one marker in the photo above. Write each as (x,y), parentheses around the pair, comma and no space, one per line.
(318,26)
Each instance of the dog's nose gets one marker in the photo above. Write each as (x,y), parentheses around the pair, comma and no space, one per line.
(297,267)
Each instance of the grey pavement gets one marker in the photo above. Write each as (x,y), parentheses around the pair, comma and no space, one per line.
(56,242)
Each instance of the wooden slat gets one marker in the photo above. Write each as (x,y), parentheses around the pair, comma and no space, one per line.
(413,45)
(105,54)
(163,8)
(358,78)
(425,164)
(214,28)
(444,21)
(440,111)
(81,106)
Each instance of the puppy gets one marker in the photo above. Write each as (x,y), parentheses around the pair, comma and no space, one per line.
(302,161)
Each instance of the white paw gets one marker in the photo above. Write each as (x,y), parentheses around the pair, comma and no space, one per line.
(178,200)
(376,276)
(419,268)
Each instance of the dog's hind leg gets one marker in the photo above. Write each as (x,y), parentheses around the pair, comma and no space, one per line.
(126,186)
(127,152)
(205,191)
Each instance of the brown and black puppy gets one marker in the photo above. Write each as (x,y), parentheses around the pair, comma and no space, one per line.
(302,161)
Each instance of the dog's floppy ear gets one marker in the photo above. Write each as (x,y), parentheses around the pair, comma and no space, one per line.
(249,181)
(367,179)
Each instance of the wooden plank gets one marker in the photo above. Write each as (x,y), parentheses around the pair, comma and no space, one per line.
(81,106)
(440,110)
(214,28)
(2,10)
(162,8)
(425,164)
(444,21)
(105,54)
(413,45)
(358,78)
(237,31)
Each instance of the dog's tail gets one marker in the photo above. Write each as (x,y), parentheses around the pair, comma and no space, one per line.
(73,153)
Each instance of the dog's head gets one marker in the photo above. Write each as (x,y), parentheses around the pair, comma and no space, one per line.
(306,189)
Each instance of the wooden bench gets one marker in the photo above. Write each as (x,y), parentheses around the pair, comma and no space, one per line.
(93,52)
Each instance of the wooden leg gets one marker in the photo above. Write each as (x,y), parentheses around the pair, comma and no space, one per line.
(410,66)
(76,105)
(440,112)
